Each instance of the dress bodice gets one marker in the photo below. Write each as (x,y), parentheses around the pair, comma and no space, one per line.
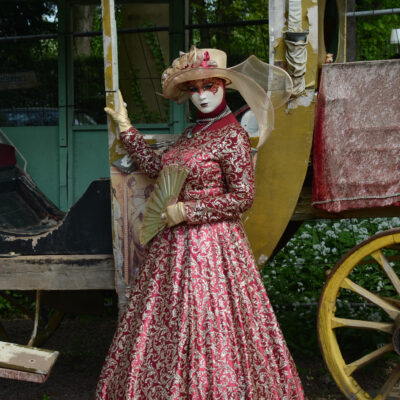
(220,183)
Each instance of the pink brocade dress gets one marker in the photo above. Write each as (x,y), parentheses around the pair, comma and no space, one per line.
(198,323)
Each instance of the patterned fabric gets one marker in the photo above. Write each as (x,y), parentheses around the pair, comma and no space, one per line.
(198,324)
(356,156)
(149,161)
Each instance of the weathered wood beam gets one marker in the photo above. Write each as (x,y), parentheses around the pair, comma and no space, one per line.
(305,211)
(57,272)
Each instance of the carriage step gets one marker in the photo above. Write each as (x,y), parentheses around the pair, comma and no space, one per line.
(26,363)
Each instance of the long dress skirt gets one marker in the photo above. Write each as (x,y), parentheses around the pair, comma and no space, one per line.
(198,323)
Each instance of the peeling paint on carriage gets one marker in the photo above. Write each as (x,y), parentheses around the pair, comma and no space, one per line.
(111,85)
(312,16)
(287,151)
(79,232)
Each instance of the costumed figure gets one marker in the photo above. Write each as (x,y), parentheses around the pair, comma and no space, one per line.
(198,323)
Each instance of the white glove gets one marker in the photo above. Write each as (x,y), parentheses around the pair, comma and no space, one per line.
(120,116)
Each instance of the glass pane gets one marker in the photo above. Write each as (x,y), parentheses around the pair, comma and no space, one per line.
(89,94)
(142,59)
(28,71)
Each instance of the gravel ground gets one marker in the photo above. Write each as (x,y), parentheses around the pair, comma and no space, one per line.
(83,342)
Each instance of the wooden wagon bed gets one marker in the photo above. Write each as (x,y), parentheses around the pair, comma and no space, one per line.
(57,272)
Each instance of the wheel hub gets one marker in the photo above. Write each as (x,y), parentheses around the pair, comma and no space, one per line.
(396,336)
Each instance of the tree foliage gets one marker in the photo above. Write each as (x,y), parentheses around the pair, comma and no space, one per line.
(17,19)
(373,32)
(238,42)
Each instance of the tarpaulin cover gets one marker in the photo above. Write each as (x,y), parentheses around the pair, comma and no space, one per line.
(356,155)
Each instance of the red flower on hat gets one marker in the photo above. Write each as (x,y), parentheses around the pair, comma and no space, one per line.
(206,58)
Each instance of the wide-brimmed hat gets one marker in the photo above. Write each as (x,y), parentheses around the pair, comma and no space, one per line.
(263,86)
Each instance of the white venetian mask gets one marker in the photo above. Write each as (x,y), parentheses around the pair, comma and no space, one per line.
(206,94)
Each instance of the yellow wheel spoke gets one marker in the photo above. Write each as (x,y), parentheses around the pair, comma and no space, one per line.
(387,268)
(392,311)
(374,355)
(392,301)
(356,323)
(389,384)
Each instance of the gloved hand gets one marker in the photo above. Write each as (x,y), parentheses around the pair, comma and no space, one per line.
(120,116)
(175,214)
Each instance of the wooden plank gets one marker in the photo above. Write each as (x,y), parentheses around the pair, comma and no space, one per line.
(57,272)
(22,375)
(26,358)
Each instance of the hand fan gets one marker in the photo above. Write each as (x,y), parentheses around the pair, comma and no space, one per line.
(166,191)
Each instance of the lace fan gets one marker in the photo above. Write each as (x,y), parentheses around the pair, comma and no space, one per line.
(166,191)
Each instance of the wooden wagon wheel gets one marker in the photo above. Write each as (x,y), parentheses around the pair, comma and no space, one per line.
(378,253)
(42,321)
